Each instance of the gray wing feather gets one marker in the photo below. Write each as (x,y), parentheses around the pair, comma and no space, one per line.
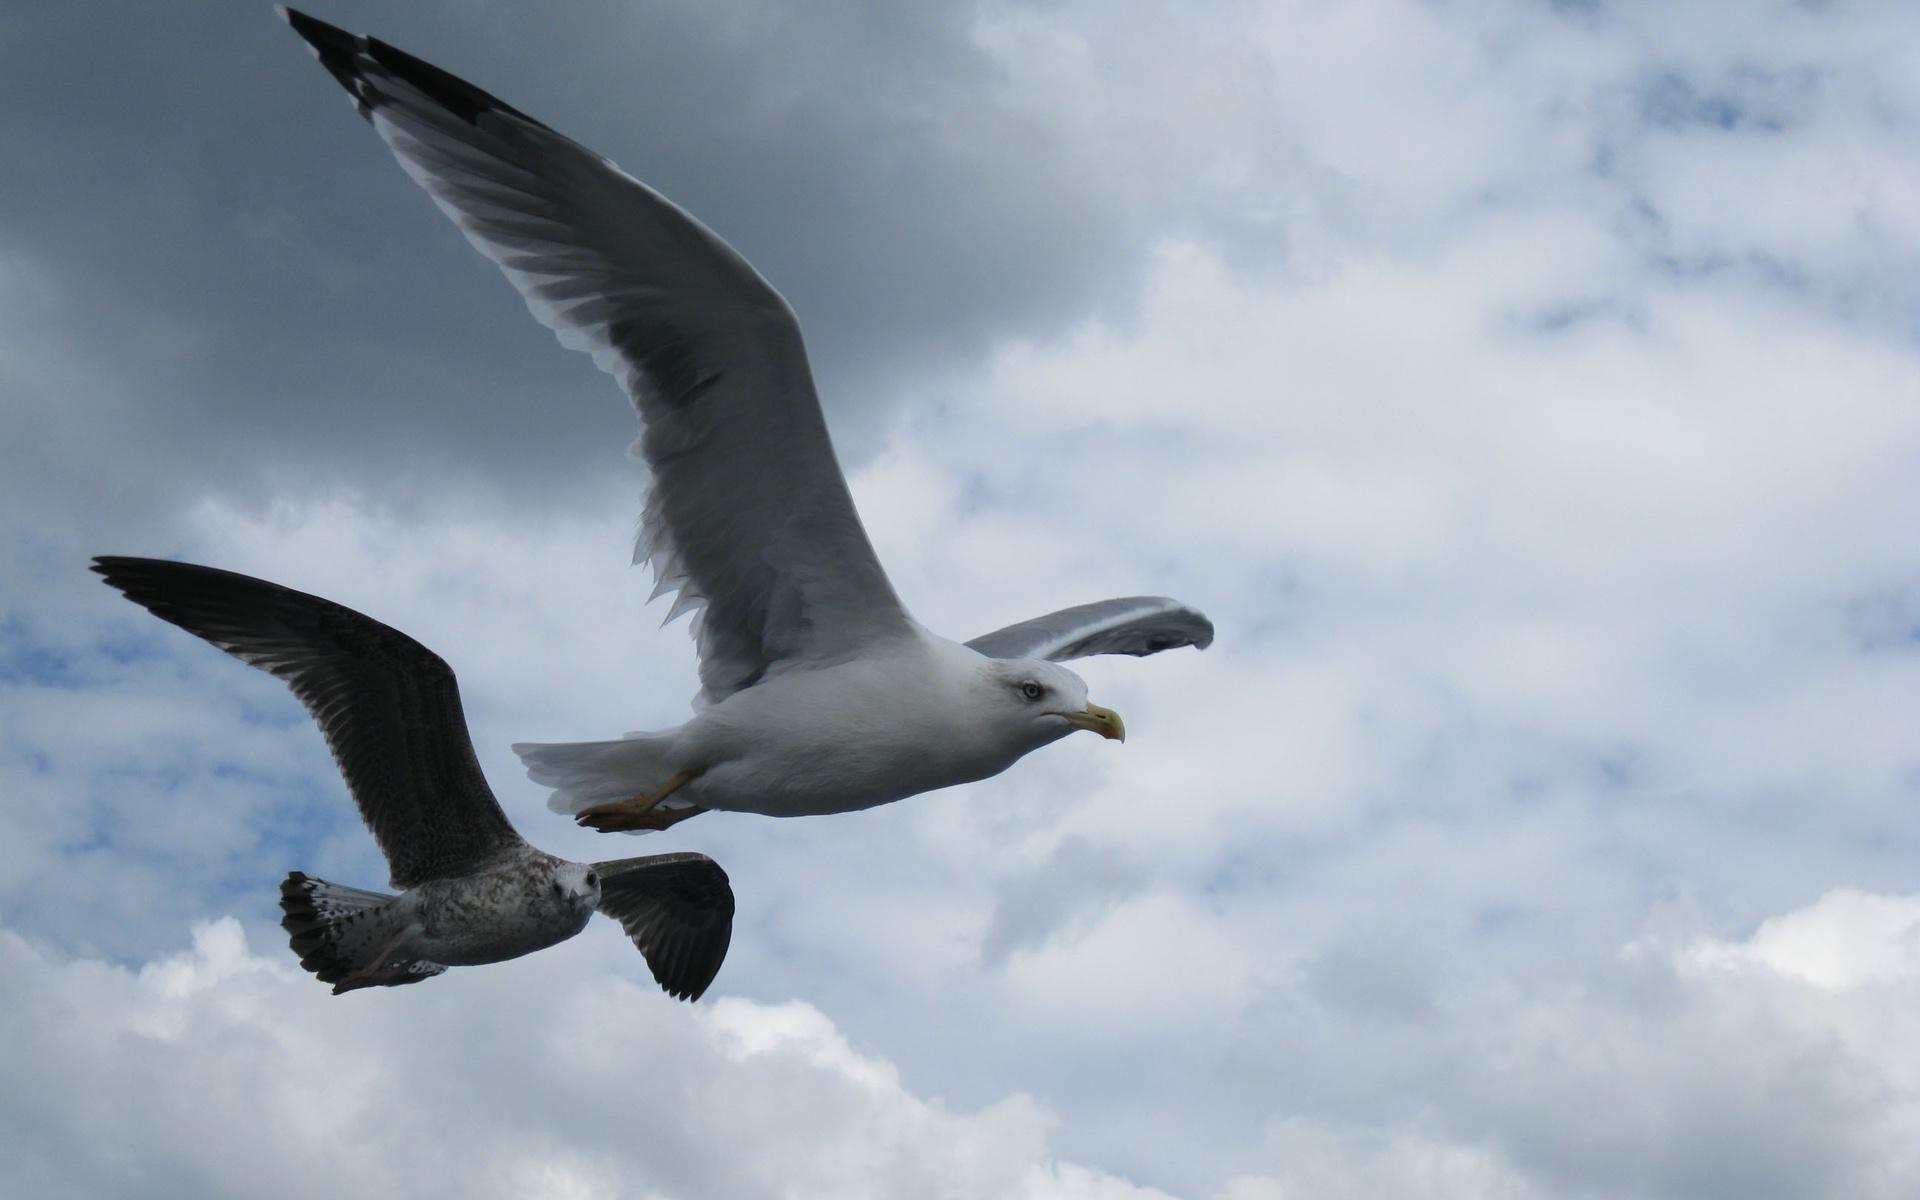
(748,516)
(388,707)
(678,909)
(1136,625)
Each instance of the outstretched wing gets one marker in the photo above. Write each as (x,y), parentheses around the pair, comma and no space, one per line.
(1136,625)
(748,516)
(678,908)
(388,706)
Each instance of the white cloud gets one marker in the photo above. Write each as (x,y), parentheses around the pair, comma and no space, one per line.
(1691,1066)
(1679,1070)
(216,1072)
(1849,939)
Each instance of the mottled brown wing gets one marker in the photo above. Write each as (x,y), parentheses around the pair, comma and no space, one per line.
(388,706)
(678,908)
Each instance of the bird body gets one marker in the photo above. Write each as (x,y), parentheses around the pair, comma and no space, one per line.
(927,713)
(526,901)
(457,922)
(819,692)
(472,890)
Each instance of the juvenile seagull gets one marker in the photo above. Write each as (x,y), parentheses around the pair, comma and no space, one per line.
(819,693)
(473,891)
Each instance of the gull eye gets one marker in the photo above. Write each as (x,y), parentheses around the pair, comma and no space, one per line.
(558,890)
(1032,690)
(592,879)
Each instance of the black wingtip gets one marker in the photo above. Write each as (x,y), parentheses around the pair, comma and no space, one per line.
(198,599)
(143,575)
(127,573)
(336,50)
(326,40)
(341,53)
(114,570)
(1199,635)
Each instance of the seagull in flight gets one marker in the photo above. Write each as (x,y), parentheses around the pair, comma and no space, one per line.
(472,890)
(819,692)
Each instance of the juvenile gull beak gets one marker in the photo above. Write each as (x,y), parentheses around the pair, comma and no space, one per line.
(1103,721)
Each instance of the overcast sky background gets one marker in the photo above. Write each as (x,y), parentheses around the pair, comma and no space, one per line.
(1529,391)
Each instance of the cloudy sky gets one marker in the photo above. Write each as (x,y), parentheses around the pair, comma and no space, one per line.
(1529,391)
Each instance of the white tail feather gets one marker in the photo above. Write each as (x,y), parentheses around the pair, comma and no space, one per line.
(583,774)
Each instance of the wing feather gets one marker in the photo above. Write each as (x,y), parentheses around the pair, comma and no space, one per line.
(678,909)
(747,516)
(1136,625)
(388,707)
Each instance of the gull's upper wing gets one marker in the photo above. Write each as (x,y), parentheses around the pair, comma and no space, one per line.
(748,515)
(678,908)
(388,706)
(1136,625)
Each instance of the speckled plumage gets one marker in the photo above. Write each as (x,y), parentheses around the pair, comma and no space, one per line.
(473,891)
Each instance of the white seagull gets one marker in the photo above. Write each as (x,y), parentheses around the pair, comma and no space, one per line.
(819,693)
(473,891)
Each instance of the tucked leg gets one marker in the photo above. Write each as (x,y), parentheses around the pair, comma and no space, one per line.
(642,812)
(377,971)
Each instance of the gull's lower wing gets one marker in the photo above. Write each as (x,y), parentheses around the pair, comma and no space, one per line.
(388,706)
(1136,625)
(748,515)
(678,908)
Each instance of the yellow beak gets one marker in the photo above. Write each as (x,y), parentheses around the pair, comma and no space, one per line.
(1103,721)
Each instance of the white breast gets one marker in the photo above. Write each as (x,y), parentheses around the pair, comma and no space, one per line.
(850,735)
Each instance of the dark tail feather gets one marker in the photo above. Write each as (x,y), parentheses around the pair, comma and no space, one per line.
(345,935)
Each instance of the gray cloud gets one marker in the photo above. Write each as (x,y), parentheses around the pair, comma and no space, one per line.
(1533,446)
(1061,897)
(266,300)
